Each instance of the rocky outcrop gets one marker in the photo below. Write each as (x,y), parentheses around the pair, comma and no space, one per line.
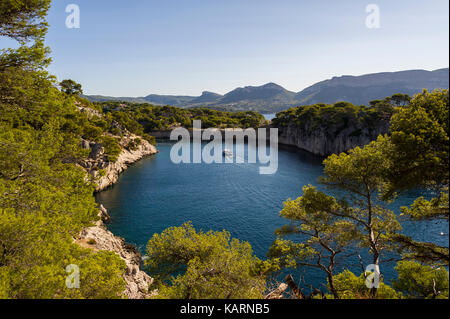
(99,238)
(87,110)
(331,140)
(104,172)
(103,214)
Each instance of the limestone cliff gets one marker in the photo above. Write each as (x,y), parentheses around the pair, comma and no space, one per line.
(104,172)
(99,238)
(332,129)
(326,141)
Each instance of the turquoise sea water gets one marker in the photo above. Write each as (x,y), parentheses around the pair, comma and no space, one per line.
(155,194)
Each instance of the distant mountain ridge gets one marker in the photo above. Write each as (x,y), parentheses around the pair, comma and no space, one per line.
(207,97)
(272,97)
(365,88)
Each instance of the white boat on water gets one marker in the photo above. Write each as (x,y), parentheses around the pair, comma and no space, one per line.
(227,153)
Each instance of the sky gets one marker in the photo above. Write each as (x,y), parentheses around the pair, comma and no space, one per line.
(139,47)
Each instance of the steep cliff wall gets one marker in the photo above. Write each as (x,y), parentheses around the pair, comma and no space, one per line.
(105,172)
(324,141)
(332,129)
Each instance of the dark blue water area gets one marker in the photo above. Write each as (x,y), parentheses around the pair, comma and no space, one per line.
(155,194)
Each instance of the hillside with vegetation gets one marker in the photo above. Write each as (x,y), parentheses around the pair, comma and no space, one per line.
(360,90)
(46,196)
(325,129)
(47,133)
(142,119)
(272,98)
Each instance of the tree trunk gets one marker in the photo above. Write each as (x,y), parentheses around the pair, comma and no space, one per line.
(332,288)
(295,289)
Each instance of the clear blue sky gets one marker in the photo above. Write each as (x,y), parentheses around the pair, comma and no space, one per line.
(138,47)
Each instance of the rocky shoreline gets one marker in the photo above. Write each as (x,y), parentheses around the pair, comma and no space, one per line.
(97,237)
(106,173)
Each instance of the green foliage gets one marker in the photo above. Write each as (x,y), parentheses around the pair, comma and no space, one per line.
(196,265)
(419,154)
(400,99)
(101,172)
(418,281)
(360,171)
(23,19)
(145,118)
(427,253)
(323,236)
(112,147)
(92,133)
(360,175)
(32,57)
(350,286)
(101,276)
(44,204)
(330,227)
(149,138)
(37,248)
(422,209)
(420,137)
(71,87)
(332,118)
(46,200)
(134,144)
(415,155)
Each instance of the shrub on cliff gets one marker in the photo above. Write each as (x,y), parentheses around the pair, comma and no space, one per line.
(333,118)
(112,147)
(195,265)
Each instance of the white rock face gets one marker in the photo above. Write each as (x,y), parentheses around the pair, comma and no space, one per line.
(126,158)
(105,172)
(320,142)
(137,281)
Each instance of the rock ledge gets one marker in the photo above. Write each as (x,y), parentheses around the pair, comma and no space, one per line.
(99,238)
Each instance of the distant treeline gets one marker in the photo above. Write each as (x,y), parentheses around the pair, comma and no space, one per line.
(145,118)
(341,114)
